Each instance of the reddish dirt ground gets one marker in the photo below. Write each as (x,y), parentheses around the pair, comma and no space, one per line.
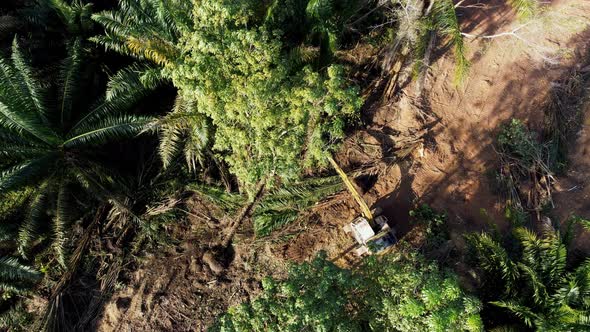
(509,78)
(573,195)
(452,129)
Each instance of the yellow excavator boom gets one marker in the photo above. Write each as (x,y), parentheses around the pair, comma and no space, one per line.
(352,189)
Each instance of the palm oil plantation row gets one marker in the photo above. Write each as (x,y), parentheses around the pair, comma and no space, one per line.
(115,114)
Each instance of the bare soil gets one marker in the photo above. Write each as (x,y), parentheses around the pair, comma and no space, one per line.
(447,133)
(573,195)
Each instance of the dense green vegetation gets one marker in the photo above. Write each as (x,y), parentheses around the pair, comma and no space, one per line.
(112,113)
(535,283)
(267,112)
(398,292)
(54,147)
(528,281)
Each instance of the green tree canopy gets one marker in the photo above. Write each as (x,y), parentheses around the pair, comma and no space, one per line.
(272,116)
(265,109)
(411,293)
(400,292)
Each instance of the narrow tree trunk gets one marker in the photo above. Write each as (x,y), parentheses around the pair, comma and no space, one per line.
(243,214)
(46,321)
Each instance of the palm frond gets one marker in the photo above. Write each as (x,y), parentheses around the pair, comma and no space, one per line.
(157,51)
(171,142)
(302,194)
(124,90)
(151,77)
(546,296)
(112,43)
(445,21)
(525,9)
(577,291)
(226,201)
(567,231)
(554,259)
(29,231)
(24,123)
(120,213)
(585,223)
(11,204)
(283,206)
(21,107)
(128,82)
(546,255)
(70,81)
(114,22)
(196,145)
(268,221)
(65,11)
(13,138)
(145,29)
(184,130)
(62,219)
(133,83)
(12,271)
(540,294)
(18,153)
(30,85)
(493,258)
(27,172)
(523,312)
(111,128)
(74,15)
(531,245)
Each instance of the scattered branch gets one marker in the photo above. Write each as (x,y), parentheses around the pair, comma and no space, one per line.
(502,34)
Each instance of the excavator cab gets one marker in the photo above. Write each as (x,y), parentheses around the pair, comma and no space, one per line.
(371,239)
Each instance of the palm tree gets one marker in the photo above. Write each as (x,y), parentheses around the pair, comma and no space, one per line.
(75,15)
(52,143)
(539,289)
(47,23)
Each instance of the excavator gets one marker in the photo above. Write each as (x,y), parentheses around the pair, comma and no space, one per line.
(371,229)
